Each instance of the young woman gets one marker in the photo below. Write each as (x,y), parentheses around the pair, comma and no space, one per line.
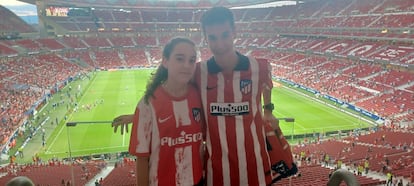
(166,134)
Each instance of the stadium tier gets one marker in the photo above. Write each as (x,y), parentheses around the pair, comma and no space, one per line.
(356,55)
(55,172)
(11,24)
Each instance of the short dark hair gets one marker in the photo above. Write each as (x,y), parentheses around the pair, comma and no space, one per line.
(217,15)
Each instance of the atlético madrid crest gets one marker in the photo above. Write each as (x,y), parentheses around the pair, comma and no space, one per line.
(245,86)
(196,114)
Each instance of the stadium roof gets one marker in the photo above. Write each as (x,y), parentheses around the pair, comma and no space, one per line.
(156,3)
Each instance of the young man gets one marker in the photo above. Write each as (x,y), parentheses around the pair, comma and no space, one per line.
(231,87)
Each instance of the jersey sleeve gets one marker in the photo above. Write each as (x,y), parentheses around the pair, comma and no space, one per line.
(140,141)
(265,73)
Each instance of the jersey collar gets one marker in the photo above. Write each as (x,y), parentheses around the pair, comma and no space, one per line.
(243,64)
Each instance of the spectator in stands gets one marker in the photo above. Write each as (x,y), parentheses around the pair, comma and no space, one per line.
(400,183)
(366,166)
(384,168)
(166,133)
(302,156)
(20,181)
(412,177)
(360,168)
(387,161)
(326,159)
(389,178)
(338,164)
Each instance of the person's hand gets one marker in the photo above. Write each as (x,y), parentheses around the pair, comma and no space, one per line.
(268,117)
(123,121)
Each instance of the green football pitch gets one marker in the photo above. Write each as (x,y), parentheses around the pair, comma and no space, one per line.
(112,93)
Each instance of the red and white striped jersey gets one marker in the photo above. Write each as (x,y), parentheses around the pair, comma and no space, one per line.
(168,130)
(235,135)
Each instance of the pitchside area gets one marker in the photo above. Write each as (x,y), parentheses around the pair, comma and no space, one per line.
(111,93)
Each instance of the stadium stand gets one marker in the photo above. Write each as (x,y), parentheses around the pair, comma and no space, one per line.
(28,44)
(123,169)
(74,42)
(97,42)
(107,58)
(401,164)
(135,58)
(357,51)
(40,174)
(122,41)
(6,51)
(317,175)
(50,44)
(83,56)
(12,25)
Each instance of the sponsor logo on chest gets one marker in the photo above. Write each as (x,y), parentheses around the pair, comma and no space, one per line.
(182,139)
(229,109)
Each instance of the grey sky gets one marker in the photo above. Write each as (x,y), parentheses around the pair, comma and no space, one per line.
(19,8)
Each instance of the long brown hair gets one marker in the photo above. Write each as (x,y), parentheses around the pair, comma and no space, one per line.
(161,74)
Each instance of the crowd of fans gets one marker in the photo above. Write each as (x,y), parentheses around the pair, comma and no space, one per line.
(59,170)
(32,77)
(29,80)
(385,151)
